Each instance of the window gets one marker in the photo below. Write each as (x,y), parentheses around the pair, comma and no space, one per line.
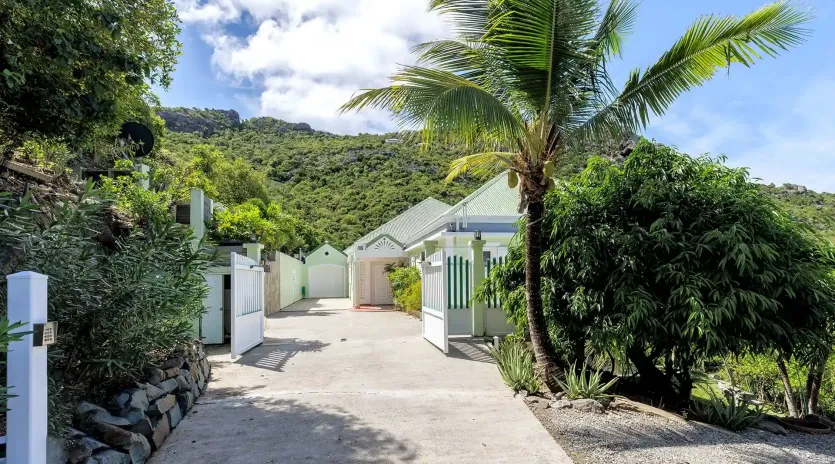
(486,256)
(327,253)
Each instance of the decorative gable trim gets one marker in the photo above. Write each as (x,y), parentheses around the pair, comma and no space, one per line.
(384,242)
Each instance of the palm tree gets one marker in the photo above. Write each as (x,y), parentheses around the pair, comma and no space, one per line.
(524,81)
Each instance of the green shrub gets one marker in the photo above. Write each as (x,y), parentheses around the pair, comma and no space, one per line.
(731,414)
(583,383)
(670,260)
(120,306)
(515,361)
(405,288)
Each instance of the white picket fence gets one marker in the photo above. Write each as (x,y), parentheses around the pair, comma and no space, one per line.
(26,420)
(247,304)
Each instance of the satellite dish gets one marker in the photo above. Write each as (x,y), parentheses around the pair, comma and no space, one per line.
(140,135)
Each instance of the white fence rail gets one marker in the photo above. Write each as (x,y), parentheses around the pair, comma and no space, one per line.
(247,298)
(26,421)
(435,310)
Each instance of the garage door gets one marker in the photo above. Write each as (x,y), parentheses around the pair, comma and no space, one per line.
(326,281)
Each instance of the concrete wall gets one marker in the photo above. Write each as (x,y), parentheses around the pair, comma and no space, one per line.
(293,276)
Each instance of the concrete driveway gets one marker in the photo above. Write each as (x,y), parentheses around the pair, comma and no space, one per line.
(331,385)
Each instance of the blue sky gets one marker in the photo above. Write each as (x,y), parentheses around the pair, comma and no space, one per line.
(300,59)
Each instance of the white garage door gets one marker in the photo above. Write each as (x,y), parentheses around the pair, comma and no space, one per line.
(326,281)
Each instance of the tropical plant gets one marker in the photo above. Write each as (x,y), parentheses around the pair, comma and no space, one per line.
(75,71)
(405,288)
(673,260)
(515,361)
(120,307)
(273,227)
(731,413)
(585,383)
(8,334)
(525,80)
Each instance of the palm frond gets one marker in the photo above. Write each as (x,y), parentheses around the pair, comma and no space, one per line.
(442,103)
(481,164)
(710,44)
(542,44)
(468,17)
(616,24)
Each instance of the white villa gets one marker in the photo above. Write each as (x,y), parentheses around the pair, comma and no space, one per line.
(489,213)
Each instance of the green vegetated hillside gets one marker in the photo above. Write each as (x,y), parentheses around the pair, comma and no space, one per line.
(346,186)
(814,208)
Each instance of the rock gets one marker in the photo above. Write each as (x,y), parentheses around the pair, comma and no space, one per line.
(182,384)
(587,405)
(56,450)
(144,427)
(201,382)
(75,434)
(154,375)
(176,361)
(152,392)
(561,404)
(186,401)
(114,436)
(172,372)
(93,444)
(79,454)
(168,386)
(205,367)
(162,405)
(161,431)
(772,427)
(84,449)
(85,408)
(175,415)
(104,417)
(134,415)
(139,449)
(195,372)
(559,395)
(133,398)
(111,457)
(195,390)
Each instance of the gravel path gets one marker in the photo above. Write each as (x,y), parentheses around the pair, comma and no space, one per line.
(630,437)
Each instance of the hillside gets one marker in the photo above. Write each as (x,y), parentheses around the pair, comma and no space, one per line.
(346,186)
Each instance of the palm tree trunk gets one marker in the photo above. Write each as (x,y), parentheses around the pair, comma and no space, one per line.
(545,359)
(787,386)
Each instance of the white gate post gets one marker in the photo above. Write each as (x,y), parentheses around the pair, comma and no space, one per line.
(26,372)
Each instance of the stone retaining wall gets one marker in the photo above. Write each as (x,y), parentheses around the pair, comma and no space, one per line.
(137,420)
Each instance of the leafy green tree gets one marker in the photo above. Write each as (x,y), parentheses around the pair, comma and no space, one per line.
(274,228)
(527,79)
(72,70)
(671,260)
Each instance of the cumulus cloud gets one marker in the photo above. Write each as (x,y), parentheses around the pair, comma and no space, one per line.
(307,57)
(794,144)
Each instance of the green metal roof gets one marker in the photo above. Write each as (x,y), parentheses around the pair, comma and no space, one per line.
(494,198)
(402,226)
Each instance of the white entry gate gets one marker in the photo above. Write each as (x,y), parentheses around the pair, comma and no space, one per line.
(247,298)
(435,310)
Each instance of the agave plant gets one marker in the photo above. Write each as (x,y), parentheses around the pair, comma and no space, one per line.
(732,414)
(526,81)
(515,361)
(584,383)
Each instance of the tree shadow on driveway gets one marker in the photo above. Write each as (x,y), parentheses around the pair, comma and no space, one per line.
(276,352)
(279,431)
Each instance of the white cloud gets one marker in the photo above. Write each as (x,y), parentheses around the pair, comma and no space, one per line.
(309,56)
(794,144)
